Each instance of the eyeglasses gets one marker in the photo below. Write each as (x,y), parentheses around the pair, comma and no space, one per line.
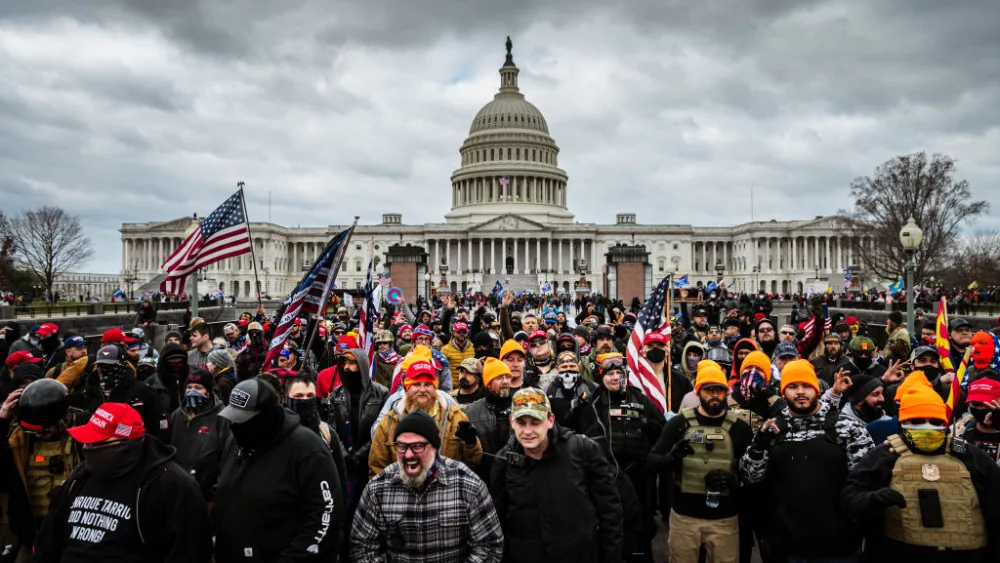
(787,333)
(765,329)
(415,447)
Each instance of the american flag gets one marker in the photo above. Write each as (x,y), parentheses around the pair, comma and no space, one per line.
(504,180)
(384,281)
(309,296)
(225,233)
(650,320)
(368,316)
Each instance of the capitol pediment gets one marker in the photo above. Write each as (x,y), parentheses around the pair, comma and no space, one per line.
(832,223)
(181,224)
(510,223)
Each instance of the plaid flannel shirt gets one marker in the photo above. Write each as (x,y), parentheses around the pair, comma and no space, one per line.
(452,521)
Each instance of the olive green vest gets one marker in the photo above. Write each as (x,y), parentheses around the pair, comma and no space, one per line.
(964,527)
(754,420)
(718,455)
(49,466)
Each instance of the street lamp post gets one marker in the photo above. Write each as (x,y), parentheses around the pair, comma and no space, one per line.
(427,286)
(756,279)
(910,236)
(719,269)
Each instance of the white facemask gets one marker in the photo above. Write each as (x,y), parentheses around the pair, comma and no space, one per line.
(568,379)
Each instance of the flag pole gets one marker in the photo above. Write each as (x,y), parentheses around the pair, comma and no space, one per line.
(253,257)
(669,315)
(326,291)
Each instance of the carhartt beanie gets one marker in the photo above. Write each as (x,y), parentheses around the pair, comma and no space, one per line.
(421,424)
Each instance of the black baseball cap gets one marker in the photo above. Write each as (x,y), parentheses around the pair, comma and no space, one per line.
(247,400)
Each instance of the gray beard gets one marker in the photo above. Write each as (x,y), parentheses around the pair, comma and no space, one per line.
(414,482)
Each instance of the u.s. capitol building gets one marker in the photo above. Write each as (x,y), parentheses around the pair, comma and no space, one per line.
(509,220)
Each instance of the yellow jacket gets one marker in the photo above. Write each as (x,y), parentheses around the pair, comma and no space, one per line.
(455,357)
(381,454)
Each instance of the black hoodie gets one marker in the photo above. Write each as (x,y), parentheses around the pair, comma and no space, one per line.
(170,386)
(280,502)
(169,515)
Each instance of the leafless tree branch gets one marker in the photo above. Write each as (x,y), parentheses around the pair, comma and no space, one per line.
(48,242)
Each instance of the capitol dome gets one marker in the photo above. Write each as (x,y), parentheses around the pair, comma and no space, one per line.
(509,161)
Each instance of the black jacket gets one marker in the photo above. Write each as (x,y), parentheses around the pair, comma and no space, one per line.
(280,501)
(169,510)
(199,442)
(130,391)
(373,397)
(628,439)
(492,423)
(875,472)
(564,507)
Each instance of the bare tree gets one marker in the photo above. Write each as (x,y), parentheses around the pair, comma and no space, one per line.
(48,243)
(976,259)
(910,186)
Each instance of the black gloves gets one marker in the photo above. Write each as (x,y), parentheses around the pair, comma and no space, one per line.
(721,481)
(681,448)
(583,398)
(467,433)
(887,497)
(764,439)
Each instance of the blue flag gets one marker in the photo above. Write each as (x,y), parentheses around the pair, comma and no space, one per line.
(712,286)
(498,289)
(898,286)
(681,281)
(118,294)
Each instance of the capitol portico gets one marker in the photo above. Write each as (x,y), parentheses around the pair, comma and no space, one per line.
(510,220)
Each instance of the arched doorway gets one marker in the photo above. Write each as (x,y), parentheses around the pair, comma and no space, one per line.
(800,288)
(236,289)
(510,265)
(454,287)
(246,288)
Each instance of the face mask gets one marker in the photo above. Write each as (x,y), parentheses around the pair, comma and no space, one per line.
(112,376)
(863,363)
(33,342)
(112,462)
(752,382)
(692,364)
(568,379)
(932,372)
(259,430)
(195,399)
(926,438)
(307,409)
(656,355)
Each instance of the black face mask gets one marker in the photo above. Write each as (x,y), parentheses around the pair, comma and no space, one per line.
(307,409)
(931,372)
(257,338)
(111,376)
(111,462)
(352,379)
(259,430)
(656,355)
(979,414)
(862,362)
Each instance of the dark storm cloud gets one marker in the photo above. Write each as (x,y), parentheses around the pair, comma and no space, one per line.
(147,110)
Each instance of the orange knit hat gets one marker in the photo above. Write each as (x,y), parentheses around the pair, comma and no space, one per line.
(798,371)
(492,369)
(921,401)
(915,378)
(709,373)
(760,361)
(511,346)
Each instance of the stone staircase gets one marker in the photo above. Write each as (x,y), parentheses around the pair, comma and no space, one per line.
(518,282)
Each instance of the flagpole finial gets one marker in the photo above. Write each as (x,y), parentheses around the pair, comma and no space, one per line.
(240,184)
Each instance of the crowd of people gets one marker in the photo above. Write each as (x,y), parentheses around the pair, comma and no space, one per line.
(508,428)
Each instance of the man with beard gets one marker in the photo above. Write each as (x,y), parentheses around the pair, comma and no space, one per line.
(554,491)
(628,423)
(804,454)
(251,359)
(457,349)
(127,501)
(421,386)
(425,506)
(919,498)
(702,447)
(279,493)
(832,360)
(766,335)
(355,407)
(489,415)
(469,389)
(604,343)
(865,400)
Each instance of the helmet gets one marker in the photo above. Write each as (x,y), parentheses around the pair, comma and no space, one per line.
(383,336)
(719,354)
(42,404)
(147,361)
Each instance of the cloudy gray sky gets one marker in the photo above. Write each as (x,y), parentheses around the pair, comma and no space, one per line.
(149,110)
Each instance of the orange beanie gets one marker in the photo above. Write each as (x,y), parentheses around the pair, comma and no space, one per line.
(709,373)
(492,369)
(760,361)
(798,371)
(915,378)
(511,346)
(921,401)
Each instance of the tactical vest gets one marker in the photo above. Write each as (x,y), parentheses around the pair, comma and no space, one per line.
(964,527)
(754,420)
(49,466)
(713,449)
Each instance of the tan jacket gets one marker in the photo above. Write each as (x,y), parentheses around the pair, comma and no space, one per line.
(382,454)
(72,373)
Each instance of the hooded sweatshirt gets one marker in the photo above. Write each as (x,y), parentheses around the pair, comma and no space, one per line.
(682,362)
(167,384)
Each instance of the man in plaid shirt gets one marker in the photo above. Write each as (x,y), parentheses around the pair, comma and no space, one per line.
(425,507)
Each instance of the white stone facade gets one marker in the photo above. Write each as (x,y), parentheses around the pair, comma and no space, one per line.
(509,212)
(71,286)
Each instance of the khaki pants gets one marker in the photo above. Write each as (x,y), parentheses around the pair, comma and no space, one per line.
(721,539)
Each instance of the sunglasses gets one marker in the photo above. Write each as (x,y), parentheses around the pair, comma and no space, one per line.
(539,343)
(787,333)
(765,329)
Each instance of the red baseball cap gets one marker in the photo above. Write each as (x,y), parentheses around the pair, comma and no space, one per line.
(299,321)
(47,329)
(537,334)
(984,390)
(420,371)
(20,357)
(460,326)
(113,335)
(657,337)
(322,331)
(111,420)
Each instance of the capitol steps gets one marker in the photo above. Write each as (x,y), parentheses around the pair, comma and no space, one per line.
(518,282)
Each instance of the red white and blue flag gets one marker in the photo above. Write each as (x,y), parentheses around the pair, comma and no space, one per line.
(650,319)
(368,316)
(311,293)
(225,233)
